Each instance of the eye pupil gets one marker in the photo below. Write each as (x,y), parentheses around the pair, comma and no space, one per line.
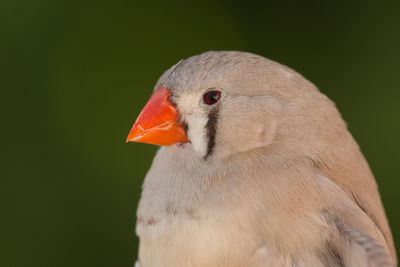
(212,97)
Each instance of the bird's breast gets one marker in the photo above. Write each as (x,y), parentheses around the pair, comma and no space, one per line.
(193,240)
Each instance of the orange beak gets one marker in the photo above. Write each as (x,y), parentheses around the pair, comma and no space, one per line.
(157,123)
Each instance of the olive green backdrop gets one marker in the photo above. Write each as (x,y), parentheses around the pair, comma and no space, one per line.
(75,74)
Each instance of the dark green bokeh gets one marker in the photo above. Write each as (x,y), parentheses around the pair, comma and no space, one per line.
(75,75)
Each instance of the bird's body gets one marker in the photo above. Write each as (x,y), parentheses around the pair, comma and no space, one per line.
(270,177)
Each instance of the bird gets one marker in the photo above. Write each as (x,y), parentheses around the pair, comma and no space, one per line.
(255,167)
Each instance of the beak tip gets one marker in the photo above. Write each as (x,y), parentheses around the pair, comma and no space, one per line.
(132,134)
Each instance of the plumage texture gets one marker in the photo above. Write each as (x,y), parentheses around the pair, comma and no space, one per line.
(275,179)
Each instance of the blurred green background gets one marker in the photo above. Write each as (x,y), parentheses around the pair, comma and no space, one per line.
(75,74)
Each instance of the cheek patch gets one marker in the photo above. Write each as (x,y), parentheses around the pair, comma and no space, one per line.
(197,133)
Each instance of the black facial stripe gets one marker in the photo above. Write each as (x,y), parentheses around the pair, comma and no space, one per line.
(211,128)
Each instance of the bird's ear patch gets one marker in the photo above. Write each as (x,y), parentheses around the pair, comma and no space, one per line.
(248,123)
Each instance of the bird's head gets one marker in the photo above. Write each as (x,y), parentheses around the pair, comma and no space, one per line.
(222,103)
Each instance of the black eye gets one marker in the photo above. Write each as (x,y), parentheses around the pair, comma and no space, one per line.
(211,97)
